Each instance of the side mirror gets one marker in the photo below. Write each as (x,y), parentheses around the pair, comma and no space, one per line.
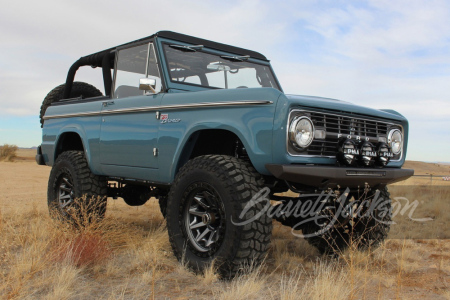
(151,84)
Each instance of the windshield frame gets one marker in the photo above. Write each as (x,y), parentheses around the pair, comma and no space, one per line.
(162,43)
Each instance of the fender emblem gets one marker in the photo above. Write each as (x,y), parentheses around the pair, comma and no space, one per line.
(165,119)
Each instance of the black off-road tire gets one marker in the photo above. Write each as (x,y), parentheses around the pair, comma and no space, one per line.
(78,89)
(365,232)
(71,179)
(227,185)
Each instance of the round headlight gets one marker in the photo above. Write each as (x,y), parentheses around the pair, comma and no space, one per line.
(395,141)
(301,132)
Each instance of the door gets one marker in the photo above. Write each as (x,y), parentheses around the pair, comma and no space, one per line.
(129,130)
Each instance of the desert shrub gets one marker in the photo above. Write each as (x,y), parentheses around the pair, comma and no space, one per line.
(83,249)
(84,235)
(8,152)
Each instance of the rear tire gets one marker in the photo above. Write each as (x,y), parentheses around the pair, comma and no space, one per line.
(78,89)
(209,193)
(70,180)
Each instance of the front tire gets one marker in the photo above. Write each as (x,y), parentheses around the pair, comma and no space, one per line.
(70,180)
(209,194)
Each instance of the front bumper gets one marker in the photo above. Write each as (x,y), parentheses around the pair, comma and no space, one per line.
(330,177)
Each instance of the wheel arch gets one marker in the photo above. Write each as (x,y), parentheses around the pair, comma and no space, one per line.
(209,141)
(71,139)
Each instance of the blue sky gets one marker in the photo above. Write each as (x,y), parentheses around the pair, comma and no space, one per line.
(382,54)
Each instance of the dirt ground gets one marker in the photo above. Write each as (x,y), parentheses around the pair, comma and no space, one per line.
(142,266)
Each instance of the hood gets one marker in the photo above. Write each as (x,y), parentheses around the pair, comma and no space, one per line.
(342,106)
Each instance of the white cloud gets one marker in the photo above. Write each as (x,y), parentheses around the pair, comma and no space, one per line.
(382,27)
(40,40)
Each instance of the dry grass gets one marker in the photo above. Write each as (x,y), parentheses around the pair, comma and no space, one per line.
(249,285)
(8,152)
(433,203)
(128,256)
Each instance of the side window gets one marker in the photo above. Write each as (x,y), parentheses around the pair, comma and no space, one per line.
(131,64)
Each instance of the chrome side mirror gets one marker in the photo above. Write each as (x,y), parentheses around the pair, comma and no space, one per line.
(151,84)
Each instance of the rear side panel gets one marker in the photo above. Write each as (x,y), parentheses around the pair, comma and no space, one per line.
(87,127)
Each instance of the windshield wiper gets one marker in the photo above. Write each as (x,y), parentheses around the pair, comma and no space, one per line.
(187,48)
(236,58)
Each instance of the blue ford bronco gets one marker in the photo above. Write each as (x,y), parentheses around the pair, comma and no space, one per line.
(206,129)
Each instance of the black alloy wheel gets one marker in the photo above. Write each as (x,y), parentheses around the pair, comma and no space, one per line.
(65,193)
(204,218)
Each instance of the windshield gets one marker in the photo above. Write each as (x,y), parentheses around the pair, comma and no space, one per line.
(190,66)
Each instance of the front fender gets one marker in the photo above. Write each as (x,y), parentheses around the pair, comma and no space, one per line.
(258,151)
(252,124)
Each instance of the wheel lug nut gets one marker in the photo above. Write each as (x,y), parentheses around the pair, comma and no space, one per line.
(206,219)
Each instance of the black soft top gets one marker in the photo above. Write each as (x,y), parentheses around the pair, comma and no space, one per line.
(96,58)
(105,58)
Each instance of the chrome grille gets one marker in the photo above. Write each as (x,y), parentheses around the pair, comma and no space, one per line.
(349,125)
(344,125)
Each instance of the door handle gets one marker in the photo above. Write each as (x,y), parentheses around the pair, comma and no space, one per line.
(107,103)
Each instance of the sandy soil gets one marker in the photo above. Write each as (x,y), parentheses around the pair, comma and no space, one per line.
(23,180)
